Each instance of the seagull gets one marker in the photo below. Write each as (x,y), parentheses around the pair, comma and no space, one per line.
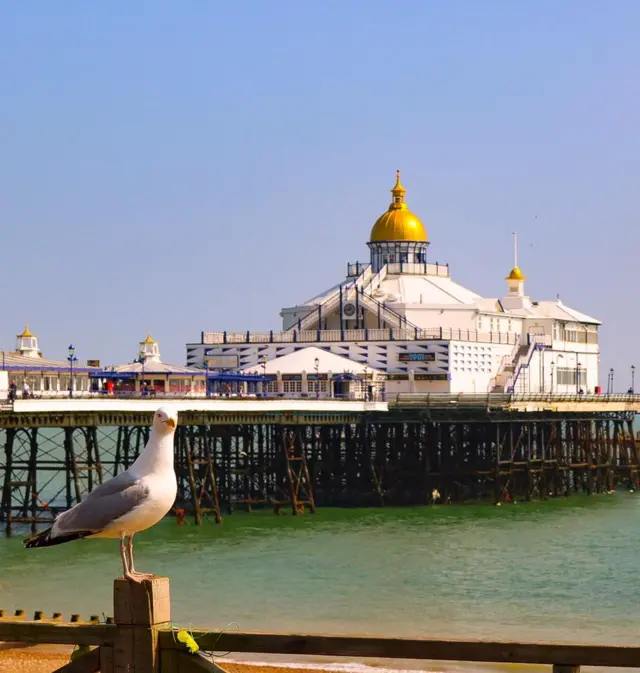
(127,504)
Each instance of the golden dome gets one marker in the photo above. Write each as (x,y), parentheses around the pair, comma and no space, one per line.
(26,334)
(148,340)
(516,274)
(398,223)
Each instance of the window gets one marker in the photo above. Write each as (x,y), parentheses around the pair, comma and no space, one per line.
(292,386)
(567,376)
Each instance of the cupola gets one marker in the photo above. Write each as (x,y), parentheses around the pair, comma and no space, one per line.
(27,344)
(149,350)
(398,236)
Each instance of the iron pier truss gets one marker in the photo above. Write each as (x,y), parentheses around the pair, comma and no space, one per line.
(226,461)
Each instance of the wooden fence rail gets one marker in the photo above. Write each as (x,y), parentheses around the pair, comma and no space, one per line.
(142,640)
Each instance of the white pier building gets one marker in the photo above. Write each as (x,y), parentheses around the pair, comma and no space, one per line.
(404,315)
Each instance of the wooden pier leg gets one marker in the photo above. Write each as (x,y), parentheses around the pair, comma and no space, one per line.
(139,610)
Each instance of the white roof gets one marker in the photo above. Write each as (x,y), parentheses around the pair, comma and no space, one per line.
(323,296)
(303,360)
(435,290)
(558,311)
(401,291)
(156,368)
(16,360)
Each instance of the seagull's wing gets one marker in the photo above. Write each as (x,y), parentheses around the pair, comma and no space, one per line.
(105,504)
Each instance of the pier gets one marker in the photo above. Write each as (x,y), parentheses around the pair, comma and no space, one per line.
(298,454)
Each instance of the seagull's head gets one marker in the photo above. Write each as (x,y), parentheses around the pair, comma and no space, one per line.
(165,421)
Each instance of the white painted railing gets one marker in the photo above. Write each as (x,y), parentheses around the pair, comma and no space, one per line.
(322,336)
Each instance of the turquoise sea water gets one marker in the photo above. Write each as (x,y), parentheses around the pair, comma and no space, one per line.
(564,569)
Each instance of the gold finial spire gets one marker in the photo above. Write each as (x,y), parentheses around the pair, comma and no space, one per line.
(398,192)
(398,189)
(26,333)
(398,223)
(149,340)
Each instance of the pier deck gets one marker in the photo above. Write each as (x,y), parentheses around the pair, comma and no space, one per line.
(241,453)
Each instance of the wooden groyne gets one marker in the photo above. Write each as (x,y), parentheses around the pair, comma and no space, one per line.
(143,640)
(245,456)
(40,616)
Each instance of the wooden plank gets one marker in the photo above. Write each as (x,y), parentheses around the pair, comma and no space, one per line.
(169,661)
(560,654)
(87,663)
(106,659)
(53,633)
(196,663)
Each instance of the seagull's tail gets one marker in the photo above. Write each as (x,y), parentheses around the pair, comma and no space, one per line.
(45,539)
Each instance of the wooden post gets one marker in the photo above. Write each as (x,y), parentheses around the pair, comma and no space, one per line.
(139,611)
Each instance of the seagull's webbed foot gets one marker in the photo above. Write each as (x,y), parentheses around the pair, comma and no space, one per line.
(135,576)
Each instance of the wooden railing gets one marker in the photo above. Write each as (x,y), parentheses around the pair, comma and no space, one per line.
(142,640)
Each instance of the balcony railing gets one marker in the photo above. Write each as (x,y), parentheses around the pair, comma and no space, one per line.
(354,335)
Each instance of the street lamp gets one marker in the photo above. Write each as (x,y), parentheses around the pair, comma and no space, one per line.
(633,379)
(611,379)
(553,364)
(142,356)
(316,362)
(263,362)
(365,371)
(71,358)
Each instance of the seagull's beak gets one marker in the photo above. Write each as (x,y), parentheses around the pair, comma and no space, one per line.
(171,422)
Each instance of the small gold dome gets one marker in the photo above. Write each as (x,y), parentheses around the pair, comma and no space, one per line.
(26,334)
(148,340)
(398,223)
(516,274)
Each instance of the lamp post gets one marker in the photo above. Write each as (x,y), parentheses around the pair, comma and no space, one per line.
(263,362)
(142,356)
(316,363)
(611,378)
(366,382)
(633,379)
(553,364)
(71,358)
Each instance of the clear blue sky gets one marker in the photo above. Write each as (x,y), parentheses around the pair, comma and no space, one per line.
(179,166)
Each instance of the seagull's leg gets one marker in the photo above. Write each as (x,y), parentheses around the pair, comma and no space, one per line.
(135,576)
(127,560)
(123,556)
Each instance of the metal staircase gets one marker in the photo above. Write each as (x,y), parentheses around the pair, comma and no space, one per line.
(360,290)
(522,361)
